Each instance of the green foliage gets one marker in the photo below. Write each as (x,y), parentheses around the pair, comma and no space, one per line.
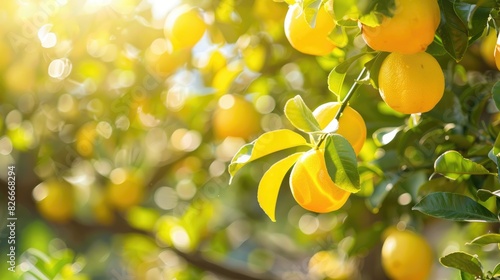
(341,163)
(110,97)
(454,207)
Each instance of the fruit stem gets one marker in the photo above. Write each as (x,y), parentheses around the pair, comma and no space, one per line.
(343,103)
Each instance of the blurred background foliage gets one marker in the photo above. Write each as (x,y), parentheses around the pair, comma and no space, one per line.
(121,143)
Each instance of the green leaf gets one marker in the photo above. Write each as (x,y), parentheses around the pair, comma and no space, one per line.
(339,36)
(267,143)
(485,239)
(381,191)
(454,207)
(482,3)
(373,67)
(496,270)
(300,115)
(269,186)
(452,165)
(385,135)
(311,8)
(478,21)
(341,163)
(338,74)
(452,30)
(495,91)
(463,262)
(466,276)
(344,8)
(484,194)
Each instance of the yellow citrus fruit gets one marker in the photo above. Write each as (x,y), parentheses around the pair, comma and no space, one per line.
(411,83)
(184,27)
(497,53)
(487,48)
(351,124)
(55,200)
(406,256)
(329,265)
(312,187)
(410,30)
(236,117)
(125,189)
(307,39)
(168,62)
(85,139)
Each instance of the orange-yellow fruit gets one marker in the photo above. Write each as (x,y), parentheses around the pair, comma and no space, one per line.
(235,117)
(307,39)
(168,62)
(351,124)
(411,83)
(85,139)
(329,265)
(125,189)
(184,27)
(55,200)
(487,48)
(497,53)
(406,256)
(312,187)
(410,30)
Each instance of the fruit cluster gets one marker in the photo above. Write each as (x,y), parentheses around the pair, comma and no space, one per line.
(409,80)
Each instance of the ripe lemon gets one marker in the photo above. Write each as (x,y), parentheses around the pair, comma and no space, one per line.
(351,124)
(55,200)
(125,189)
(329,265)
(306,39)
(312,187)
(497,53)
(411,83)
(236,117)
(184,27)
(406,255)
(487,48)
(410,30)
(85,139)
(168,62)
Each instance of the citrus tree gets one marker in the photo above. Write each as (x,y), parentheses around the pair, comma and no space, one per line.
(250,139)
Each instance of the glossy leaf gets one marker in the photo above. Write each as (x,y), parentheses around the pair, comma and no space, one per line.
(341,163)
(485,239)
(495,91)
(478,21)
(269,186)
(466,276)
(454,207)
(496,270)
(338,74)
(380,192)
(373,67)
(311,8)
(345,8)
(267,143)
(385,135)
(482,3)
(484,194)
(453,31)
(452,165)
(300,115)
(463,262)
